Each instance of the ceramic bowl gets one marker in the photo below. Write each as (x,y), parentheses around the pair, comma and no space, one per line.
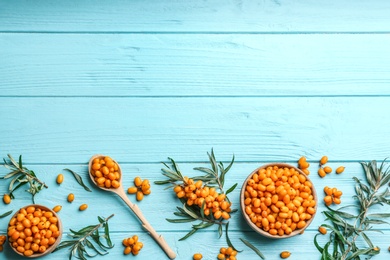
(260,229)
(50,248)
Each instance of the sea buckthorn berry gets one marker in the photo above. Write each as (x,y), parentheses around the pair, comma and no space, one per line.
(285,254)
(340,169)
(324,160)
(127,250)
(137,181)
(132,190)
(197,256)
(70,197)
(140,195)
(60,178)
(321,172)
(6,199)
(327,169)
(322,230)
(83,207)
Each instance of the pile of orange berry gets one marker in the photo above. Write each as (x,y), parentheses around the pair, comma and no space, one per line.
(142,187)
(33,230)
(304,165)
(227,253)
(279,200)
(333,195)
(196,193)
(132,245)
(2,241)
(105,172)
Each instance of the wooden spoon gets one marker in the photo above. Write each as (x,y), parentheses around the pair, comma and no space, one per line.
(145,224)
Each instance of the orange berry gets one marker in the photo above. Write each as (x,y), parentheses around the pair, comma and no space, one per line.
(327,169)
(60,178)
(340,169)
(322,230)
(6,199)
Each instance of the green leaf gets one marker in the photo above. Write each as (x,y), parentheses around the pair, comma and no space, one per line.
(203,225)
(228,239)
(205,170)
(367,239)
(319,248)
(379,215)
(64,244)
(213,162)
(107,233)
(79,180)
(376,221)
(220,231)
(20,161)
(189,212)
(162,182)
(257,251)
(188,234)
(6,214)
(182,220)
(231,189)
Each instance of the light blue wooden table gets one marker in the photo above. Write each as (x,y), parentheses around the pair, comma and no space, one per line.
(267,81)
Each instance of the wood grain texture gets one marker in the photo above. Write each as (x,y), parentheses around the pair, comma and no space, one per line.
(64,130)
(194,16)
(265,80)
(194,65)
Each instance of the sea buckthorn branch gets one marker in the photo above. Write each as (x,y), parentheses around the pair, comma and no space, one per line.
(22,176)
(88,237)
(347,227)
(203,197)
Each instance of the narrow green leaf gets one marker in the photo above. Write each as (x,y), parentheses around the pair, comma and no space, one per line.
(189,212)
(182,220)
(319,248)
(20,162)
(220,231)
(64,244)
(379,215)
(228,239)
(257,251)
(376,221)
(6,214)
(367,240)
(162,182)
(231,189)
(205,170)
(79,179)
(188,234)
(107,233)
(203,225)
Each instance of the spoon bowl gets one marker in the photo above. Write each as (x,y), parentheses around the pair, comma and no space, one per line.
(122,194)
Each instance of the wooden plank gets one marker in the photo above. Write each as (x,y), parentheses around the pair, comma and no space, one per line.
(69,130)
(194,65)
(195,16)
(161,203)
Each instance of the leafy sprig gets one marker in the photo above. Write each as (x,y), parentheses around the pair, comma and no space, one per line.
(86,242)
(22,176)
(214,177)
(347,227)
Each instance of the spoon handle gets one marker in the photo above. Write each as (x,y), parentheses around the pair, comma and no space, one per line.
(158,238)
